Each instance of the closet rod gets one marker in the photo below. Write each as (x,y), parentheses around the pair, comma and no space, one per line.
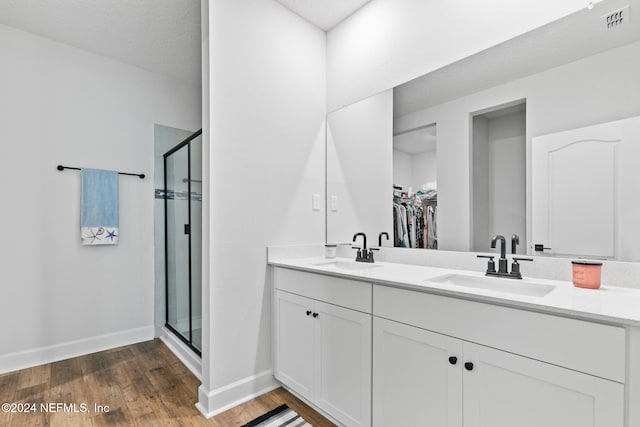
(139,175)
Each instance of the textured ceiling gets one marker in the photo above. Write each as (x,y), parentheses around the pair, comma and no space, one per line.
(162,36)
(324,14)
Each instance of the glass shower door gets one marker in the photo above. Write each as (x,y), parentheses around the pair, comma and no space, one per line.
(183,239)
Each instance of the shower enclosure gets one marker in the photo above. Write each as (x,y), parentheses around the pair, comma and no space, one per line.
(183,240)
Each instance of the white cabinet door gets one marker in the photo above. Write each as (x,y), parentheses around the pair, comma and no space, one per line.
(323,352)
(414,381)
(343,376)
(584,196)
(506,390)
(294,342)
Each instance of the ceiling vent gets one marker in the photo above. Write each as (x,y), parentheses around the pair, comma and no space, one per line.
(616,18)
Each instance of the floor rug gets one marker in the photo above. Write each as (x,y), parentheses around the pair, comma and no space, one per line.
(279,417)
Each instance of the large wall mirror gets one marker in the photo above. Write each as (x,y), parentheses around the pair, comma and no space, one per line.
(536,137)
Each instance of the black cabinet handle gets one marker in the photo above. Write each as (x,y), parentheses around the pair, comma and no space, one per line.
(453,360)
(308,312)
(468,366)
(315,315)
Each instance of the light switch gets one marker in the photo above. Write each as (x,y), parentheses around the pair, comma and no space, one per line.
(315,204)
(334,203)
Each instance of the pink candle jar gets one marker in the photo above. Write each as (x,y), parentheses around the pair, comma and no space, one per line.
(586,274)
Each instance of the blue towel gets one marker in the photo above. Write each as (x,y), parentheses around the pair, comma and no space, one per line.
(99,207)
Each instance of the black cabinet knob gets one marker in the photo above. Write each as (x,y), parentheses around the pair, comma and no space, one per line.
(308,312)
(315,314)
(468,366)
(453,360)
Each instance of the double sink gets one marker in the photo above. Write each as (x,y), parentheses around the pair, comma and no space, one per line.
(495,284)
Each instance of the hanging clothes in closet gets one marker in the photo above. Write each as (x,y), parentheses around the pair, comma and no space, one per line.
(414,219)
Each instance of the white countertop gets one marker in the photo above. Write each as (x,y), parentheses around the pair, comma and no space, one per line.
(607,304)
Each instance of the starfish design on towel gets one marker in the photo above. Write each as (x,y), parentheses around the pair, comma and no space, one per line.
(111,234)
(93,236)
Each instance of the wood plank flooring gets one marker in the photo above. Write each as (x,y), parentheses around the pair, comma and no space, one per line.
(142,384)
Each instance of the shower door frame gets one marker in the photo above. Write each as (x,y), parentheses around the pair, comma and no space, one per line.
(187,341)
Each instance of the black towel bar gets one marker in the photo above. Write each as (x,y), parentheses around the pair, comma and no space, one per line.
(139,175)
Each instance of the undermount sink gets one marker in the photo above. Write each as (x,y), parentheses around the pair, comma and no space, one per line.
(346,265)
(498,284)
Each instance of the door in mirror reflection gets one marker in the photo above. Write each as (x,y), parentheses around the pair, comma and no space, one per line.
(415,188)
(584,190)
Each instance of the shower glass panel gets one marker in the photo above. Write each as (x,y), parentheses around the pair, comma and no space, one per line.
(183,239)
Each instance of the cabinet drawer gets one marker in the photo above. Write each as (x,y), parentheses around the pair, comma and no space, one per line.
(584,346)
(343,292)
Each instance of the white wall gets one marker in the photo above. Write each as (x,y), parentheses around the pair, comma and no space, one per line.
(574,95)
(359,151)
(389,42)
(424,168)
(266,132)
(480,188)
(414,170)
(499,185)
(62,105)
(507,162)
(402,169)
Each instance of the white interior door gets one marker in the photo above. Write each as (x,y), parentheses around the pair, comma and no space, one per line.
(582,194)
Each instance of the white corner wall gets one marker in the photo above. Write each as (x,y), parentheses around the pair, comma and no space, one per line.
(359,151)
(424,169)
(402,169)
(62,105)
(507,178)
(389,42)
(266,132)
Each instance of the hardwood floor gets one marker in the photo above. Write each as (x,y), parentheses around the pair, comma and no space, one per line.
(142,385)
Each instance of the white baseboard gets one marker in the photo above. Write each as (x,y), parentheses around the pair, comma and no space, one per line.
(214,402)
(66,350)
(182,352)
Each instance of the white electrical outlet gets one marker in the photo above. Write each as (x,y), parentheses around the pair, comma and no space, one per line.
(315,204)
(334,203)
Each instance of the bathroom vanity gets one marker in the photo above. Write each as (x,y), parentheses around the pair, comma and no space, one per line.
(388,344)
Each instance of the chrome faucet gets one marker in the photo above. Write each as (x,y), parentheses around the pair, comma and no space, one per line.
(363,255)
